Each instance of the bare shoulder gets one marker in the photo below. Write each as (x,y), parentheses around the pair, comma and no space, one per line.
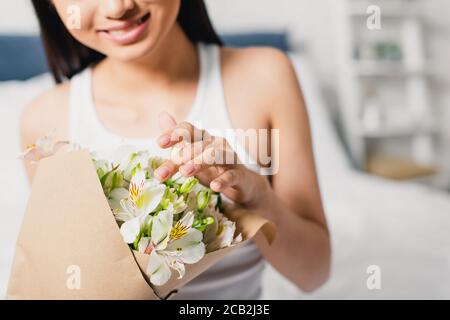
(45,114)
(262,61)
(261,76)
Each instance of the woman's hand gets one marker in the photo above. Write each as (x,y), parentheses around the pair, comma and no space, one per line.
(211,159)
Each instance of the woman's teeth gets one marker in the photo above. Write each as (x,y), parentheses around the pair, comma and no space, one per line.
(118,32)
(129,28)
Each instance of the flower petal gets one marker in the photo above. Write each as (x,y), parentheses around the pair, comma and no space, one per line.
(189,249)
(130,230)
(225,237)
(33,154)
(58,145)
(115,197)
(151,197)
(143,244)
(188,219)
(122,216)
(177,265)
(161,228)
(158,270)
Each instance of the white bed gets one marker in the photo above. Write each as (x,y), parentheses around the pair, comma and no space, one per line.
(400,227)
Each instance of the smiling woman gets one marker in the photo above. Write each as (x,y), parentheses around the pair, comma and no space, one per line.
(128,32)
(73,55)
(134,66)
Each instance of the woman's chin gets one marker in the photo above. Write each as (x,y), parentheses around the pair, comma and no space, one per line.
(131,53)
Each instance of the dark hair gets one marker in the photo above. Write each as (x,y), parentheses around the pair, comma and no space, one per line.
(66,56)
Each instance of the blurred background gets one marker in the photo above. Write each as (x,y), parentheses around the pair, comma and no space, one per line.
(376,79)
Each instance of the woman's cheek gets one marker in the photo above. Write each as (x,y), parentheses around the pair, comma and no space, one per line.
(79,19)
(164,17)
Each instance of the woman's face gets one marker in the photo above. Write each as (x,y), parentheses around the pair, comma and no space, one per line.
(122,29)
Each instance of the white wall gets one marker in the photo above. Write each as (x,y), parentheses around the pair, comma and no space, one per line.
(308,21)
(17,16)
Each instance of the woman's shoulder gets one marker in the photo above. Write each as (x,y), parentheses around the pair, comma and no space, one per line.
(45,114)
(257,59)
(259,68)
(264,74)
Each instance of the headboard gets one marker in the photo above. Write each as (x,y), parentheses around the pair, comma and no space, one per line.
(22,57)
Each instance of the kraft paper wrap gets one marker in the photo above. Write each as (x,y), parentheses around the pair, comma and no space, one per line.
(68,223)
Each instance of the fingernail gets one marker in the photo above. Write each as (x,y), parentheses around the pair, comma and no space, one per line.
(162,173)
(163,140)
(187,169)
(215,185)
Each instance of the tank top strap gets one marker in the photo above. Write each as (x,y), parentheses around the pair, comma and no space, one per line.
(211,112)
(82,120)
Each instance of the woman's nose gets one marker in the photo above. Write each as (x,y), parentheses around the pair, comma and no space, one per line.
(116,9)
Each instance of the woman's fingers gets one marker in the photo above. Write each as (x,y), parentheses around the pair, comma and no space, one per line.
(228,179)
(182,154)
(218,154)
(166,170)
(195,151)
(183,132)
(193,158)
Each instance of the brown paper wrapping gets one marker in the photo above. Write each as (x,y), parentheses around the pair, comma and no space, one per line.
(68,223)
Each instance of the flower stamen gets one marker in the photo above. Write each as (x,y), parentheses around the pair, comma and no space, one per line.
(178,231)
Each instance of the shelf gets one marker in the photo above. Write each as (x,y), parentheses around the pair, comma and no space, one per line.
(394,132)
(369,68)
(392,63)
(398,169)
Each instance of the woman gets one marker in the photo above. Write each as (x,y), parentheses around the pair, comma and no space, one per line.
(129,64)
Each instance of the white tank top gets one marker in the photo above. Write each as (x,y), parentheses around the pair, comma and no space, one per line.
(238,276)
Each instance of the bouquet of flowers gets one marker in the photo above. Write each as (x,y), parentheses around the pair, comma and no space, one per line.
(175,222)
(106,228)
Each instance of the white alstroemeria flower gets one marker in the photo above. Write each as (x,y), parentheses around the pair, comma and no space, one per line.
(130,229)
(174,202)
(138,161)
(213,201)
(116,197)
(43,148)
(144,197)
(172,247)
(127,159)
(220,234)
(158,269)
(188,249)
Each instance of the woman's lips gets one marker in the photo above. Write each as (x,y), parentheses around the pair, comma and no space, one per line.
(127,33)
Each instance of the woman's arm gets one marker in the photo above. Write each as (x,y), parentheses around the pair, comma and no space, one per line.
(301,250)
